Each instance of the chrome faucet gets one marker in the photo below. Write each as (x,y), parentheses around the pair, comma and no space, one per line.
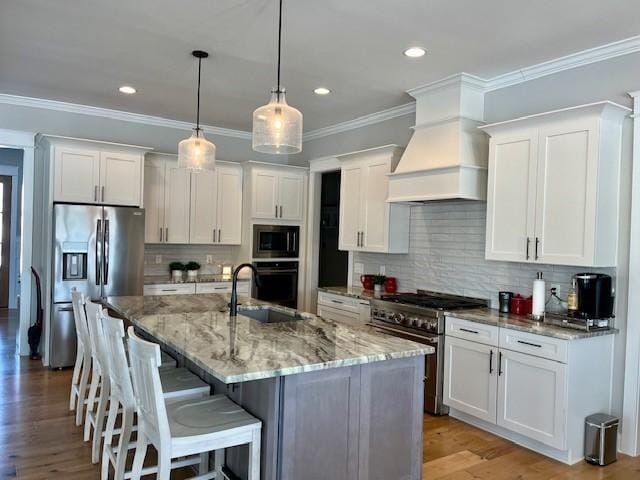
(233,304)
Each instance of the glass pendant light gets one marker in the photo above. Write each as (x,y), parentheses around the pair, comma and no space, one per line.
(196,152)
(277,126)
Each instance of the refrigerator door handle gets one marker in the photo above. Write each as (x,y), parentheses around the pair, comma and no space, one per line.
(98,251)
(106,252)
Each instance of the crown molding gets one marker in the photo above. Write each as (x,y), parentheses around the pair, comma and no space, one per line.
(462,79)
(363,121)
(568,62)
(117,115)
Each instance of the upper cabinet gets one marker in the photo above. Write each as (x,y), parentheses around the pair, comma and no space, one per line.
(192,207)
(553,187)
(368,222)
(96,172)
(277,192)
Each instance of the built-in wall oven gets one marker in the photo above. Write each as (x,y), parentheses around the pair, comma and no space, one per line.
(278,283)
(276,241)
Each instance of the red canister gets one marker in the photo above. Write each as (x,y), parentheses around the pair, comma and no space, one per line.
(367,281)
(390,285)
(521,305)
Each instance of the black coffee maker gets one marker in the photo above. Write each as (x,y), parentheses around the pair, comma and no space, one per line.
(595,296)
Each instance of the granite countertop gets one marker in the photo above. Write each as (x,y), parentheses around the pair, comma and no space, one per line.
(242,349)
(205,278)
(491,316)
(353,292)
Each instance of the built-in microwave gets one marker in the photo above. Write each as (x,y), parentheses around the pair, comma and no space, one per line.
(275,241)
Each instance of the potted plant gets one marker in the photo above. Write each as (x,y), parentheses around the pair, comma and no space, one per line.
(176,271)
(378,282)
(192,270)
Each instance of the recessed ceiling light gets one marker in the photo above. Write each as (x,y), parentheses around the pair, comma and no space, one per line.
(415,52)
(129,90)
(321,91)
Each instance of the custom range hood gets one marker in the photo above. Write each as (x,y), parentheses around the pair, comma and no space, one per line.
(446,157)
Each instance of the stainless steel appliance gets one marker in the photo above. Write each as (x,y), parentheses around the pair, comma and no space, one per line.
(99,251)
(601,439)
(420,317)
(278,283)
(275,241)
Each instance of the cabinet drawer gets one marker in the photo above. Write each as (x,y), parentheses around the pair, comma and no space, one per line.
(341,316)
(476,332)
(222,287)
(532,344)
(170,289)
(349,304)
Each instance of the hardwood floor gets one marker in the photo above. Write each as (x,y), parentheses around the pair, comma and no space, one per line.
(39,440)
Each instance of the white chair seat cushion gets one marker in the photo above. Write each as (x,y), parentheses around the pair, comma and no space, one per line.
(180,382)
(191,418)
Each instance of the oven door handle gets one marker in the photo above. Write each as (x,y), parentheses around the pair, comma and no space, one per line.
(270,272)
(391,331)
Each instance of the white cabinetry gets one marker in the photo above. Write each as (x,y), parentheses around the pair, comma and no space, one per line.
(277,193)
(96,172)
(367,222)
(195,288)
(343,309)
(533,389)
(553,187)
(197,208)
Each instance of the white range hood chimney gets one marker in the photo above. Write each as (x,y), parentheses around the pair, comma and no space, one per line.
(446,157)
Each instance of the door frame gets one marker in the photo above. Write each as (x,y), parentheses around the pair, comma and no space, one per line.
(14,252)
(24,141)
(630,434)
(317,167)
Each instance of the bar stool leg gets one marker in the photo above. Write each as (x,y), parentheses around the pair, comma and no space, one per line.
(99,421)
(77,367)
(204,463)
(164,464)
(108,438)
(254,457)
(219,462)
(82,391)
(138,459)
(123,443)
(93,391)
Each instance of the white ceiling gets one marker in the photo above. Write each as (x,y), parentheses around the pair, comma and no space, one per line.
(81,51)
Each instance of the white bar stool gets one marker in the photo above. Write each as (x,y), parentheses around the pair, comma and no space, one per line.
(178,384)
(188,427)
(82,366)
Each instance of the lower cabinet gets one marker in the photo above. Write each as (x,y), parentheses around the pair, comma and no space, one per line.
(195,288)
(532,397)
(349,310)
(470,378)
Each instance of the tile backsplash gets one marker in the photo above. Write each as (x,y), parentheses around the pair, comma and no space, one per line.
(446,254)
(220,254)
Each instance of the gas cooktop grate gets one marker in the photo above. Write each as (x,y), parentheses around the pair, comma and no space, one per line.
(432,301)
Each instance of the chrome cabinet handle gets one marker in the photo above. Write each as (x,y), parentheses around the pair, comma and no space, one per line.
(528,243)
(169,290)
(280,211)
(103,193)
(362,240)
(276,211)
(537,243)
(358,240)
(469,331)
(166,234)
(499,363)
(219,235)
(490,362)
(95,193)
(214,235)
(160,234)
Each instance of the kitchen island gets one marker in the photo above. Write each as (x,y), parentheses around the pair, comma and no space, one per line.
(336,401)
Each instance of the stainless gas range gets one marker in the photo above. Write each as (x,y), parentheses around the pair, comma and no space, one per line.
(420,317)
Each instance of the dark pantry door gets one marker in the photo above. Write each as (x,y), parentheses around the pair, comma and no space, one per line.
(5,238)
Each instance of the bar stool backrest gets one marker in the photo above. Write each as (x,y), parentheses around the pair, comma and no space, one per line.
(119,374)
(152,414)
(98,347)
(80,320)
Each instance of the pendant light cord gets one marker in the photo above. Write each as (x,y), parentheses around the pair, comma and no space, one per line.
(279,48)
(198,107)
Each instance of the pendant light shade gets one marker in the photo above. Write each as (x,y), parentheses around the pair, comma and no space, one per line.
(277,126)
(196,152)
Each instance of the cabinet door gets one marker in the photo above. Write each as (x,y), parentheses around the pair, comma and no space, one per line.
(532,397)
(202,225)
(153,202)
(120,178)
(176,204)
(264,193)
(229,216)
(470,378)
(322,406)
(76,175)
(511,197)
(375,209)
(291,196)
(566,200)
(350,205)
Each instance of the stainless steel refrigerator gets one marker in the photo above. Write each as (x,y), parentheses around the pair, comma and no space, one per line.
(98,250)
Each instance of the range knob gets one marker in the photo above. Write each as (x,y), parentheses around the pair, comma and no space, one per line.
(398,317)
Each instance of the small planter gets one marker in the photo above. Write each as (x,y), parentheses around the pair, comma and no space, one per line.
(176,276)
(192,275)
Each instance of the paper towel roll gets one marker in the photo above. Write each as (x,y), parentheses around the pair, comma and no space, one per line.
(539,294)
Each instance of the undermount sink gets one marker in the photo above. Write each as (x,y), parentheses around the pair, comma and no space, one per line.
(269,315)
